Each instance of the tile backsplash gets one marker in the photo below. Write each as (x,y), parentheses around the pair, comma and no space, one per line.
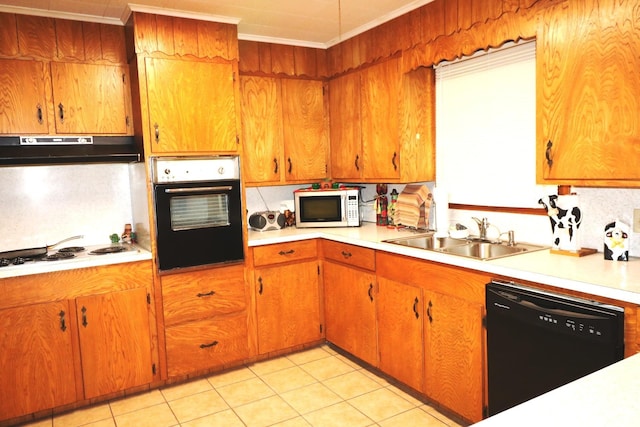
(44,204)
(599,206)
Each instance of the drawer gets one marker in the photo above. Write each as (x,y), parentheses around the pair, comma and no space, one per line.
(206,344)
(206,293)
(284,252)
(355,256)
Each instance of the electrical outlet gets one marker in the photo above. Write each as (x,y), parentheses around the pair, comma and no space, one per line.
(636,221)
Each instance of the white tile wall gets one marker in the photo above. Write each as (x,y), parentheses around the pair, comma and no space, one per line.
(41,205)
(599,206)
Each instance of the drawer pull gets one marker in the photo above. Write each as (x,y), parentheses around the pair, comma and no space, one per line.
(63,323)
(346,254)
(275,165)
(211,344)
(370,291)
(207,294)
(260,288)
(289,252)
(429,314)
(415,306)
(61,112)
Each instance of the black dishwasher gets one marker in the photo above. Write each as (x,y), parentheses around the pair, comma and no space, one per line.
(537,341)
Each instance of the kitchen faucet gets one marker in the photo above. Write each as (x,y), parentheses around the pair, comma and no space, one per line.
(483,225)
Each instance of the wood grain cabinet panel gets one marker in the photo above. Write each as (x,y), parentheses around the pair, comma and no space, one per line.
(90,98)
(285,252)
(200,294)
(284,130)
(346,129)
(287,305)
(588,93)
(453,353)
(262,132)
(206,343)
(114,341)
(37,358)
(400,332)
(191,106)
(350,310)
(24,105)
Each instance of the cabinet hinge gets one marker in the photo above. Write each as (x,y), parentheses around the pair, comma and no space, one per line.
(484,321)
(237,140)
(485,411)
(234,76)
(326,168)
(124,80)
(320,327)
(153,368)
(148,298)
(318,270)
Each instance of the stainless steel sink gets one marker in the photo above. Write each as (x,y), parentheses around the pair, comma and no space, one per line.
(427,241)
(477,249)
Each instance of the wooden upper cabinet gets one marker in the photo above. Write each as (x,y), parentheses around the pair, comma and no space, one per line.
(346,134)
(24,104)
(90,98)
(284,130)
(588,94)
(380,106)
(261,129)
(192,106)
(305,130)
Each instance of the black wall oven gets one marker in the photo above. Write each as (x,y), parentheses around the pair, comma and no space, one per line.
(198,211)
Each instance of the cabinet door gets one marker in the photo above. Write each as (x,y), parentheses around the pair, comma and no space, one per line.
(305,134)
(400,331)
(454,354)
(90,98)
(191,106)
(287,305)
(380,120)
(261,129)
(345,127)
(36,358)
(114,341)
(23,104)
(588,92)
(350,310)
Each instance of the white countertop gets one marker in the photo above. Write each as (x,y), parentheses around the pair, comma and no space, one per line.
(608,397)
(592,274)
(82,260)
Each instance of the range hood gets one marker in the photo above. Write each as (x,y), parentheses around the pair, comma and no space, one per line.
(47,150)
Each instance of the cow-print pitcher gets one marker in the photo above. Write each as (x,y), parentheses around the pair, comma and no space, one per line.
(566,217)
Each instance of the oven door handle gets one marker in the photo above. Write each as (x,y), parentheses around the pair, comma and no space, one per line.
(197,189)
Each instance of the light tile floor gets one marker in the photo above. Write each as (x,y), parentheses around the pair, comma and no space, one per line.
(316,387)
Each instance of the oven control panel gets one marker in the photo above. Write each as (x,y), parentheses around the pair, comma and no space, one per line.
(194,169)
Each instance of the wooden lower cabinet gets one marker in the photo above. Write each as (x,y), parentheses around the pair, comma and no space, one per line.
(350,310)
(400,332)
(205,318)
(287,305)
(37,358)
(114,341)
(75,335)
(450,306)
(453,356)
(206,344)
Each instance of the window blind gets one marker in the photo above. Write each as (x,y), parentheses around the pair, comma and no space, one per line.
(486,128)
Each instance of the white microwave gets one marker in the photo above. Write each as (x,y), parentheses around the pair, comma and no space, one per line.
(330,207)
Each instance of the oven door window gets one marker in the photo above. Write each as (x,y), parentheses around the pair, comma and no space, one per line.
(199,211)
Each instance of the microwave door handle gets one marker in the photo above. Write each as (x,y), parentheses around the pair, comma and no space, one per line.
(197,189)
(344,207)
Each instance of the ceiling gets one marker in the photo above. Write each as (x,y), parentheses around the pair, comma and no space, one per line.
(313,23)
